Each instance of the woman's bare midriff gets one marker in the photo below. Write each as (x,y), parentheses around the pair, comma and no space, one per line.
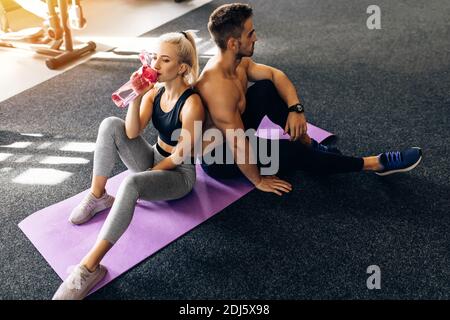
(166,147)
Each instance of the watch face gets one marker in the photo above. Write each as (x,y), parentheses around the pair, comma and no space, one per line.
(297,108)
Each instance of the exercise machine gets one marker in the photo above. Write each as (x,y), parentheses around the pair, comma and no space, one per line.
(55,40)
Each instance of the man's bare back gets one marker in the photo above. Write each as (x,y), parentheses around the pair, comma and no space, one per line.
(215,84)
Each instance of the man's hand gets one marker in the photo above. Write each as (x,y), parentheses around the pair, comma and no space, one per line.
(295,125)
(274,184)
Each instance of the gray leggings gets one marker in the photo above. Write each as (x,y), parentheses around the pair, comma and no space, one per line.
(138,156)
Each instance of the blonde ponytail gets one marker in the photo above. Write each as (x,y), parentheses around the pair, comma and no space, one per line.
(187,52)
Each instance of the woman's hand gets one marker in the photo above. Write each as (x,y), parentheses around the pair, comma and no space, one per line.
(139,84)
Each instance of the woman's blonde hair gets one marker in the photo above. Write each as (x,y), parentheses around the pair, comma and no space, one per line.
(187,52)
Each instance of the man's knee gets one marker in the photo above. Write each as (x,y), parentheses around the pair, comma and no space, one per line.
(265,86)
(263,91)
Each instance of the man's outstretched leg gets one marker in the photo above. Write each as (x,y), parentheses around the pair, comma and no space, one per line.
(293,155)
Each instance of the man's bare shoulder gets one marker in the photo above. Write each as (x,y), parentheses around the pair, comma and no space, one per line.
(246,62)
(210,77)
(213,85)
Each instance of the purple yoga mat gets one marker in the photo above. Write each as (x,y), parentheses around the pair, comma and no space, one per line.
(273,130)
(154,224)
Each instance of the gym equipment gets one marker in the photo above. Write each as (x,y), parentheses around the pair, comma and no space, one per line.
(57,34)
(154,225)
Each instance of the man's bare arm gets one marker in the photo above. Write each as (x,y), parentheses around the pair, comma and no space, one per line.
(225,115)
(286,89)
(296,122)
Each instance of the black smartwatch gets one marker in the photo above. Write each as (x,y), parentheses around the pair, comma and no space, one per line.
(297,108)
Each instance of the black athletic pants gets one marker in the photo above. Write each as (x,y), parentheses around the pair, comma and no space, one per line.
(263,99)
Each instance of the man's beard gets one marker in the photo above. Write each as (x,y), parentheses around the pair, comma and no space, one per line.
(241,54)
(253,49)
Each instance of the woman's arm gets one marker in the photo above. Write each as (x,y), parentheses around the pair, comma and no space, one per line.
(139,113)
(190,134)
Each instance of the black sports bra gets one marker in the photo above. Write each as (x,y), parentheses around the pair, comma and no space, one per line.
(167,122)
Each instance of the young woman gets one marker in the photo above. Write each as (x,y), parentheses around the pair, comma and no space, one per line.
(160,172)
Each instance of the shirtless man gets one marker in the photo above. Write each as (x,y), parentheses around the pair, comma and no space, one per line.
(223,86)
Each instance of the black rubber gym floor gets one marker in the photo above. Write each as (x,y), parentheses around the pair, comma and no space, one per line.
(378,90)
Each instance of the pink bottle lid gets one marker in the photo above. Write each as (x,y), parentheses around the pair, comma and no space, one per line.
(145,58)
(147,72)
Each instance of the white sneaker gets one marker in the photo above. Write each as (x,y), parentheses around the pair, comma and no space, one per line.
(79,283)
(89,206)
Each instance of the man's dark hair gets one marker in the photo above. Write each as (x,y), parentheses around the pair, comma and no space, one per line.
(228,21)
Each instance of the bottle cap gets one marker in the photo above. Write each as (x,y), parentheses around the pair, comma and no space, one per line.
(145,58)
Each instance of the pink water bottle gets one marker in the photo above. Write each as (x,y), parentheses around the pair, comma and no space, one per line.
(125,94)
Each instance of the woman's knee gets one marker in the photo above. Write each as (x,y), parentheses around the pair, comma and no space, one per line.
(111,124)
(130,183)
(129,188)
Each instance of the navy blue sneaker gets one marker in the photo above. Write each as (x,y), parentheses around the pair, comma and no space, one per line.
(399,161)
(321,147)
